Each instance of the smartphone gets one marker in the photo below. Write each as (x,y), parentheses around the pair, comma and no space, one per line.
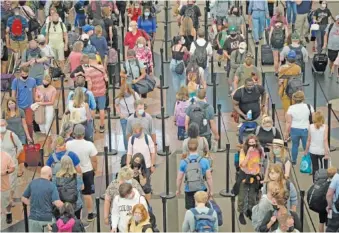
(329,214)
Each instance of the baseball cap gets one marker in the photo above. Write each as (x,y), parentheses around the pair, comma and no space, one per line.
(242,45)
(41,38)
(232,29)
(87,28)
(291,55)
(295,36)
(79,130)
(84,37)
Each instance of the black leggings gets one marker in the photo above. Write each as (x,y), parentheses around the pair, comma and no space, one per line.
(78,213)
(316,160)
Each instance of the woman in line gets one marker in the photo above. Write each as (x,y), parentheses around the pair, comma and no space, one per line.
(68,222)
(140,220)
(111,31)
(188,31)
(148,23)
(45,97)
(138,165)
(74,58)
(66,131)
(193,132)
(317,143)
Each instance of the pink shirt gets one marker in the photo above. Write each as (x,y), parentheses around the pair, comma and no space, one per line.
(274,21)
(140,146)
(46,93)
(144,55)
(74,60)
(6,164)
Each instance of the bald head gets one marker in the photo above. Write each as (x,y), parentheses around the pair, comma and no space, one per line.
(46,172)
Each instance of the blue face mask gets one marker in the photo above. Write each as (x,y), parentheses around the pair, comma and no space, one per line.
(128,181)
(147,14)
(141,111)
(137,135)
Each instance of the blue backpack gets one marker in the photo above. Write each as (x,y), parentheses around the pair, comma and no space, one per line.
(214,206)
(204,222)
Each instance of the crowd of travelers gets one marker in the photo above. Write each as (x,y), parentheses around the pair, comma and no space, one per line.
(48,43)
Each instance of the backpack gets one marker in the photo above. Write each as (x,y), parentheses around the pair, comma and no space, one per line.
(200,55)
(316,195)
(198,115)
(112,57)
(204,222)
(294,84)
(300,57)
(72,38)
(179,65)
(278,38)
(152,220)
(181,114)
(56,165)
(190,12)
(62,25)
(67,188)
(17,27)
(257,130)
(193,175)
(214,206)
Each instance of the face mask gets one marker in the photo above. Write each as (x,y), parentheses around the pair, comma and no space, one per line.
(183,41)
(137,135)
(24,77)
(276,151)
(46,85)
(136,165)
(236,13)
(249,89)
(275,207)
(290,229)
(42,43)
(141,111)
(241,51)
(147,14)
(127,94)
(55,22)
(267,128)
(11,107)
(2,129)
(130,29)
(323,5)
(252,146)
(140,45)
(128,181)
(85,43)
(137,218)
(233,35)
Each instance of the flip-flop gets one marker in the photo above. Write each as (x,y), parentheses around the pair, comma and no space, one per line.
(21,174)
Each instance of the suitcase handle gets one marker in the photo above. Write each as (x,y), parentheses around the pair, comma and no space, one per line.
(329,163)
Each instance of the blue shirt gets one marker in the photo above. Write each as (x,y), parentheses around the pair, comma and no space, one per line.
(24,26)
(59,155)
(149,25)
(256,5)
(335,186)
(24,91)
(304,7)
(91,100)
(204,164)
(100,44)
(89,49)
(42,193)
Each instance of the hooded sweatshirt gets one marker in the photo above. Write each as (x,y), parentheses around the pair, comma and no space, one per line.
(260,210)
(65,224)
(122,210)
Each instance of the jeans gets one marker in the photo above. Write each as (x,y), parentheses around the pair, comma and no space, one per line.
(29,120)
(38,226)
(258,24)
(246,197)
(291,12)
(206,73)
(123,123)
(179,80)
(49,115)
(320,37)
(296,136)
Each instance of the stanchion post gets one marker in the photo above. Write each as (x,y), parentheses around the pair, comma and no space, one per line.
(122,45)
(110,68)
(329,119)
(106,166)
(113,99)
(212,72)
(273,113)
(62,77)
(226,192)
(219,130)
(97,202)
(109,126)
(303,71)
(315,91)
(163,133)
(263,79)
(162,81)
(25,217)
(256,55)
(214,93)
(41,157)
(160,116)
(57,120)
(302,197)
(205,22)
(247,26)
(119,69)
(166,30)
(233,212)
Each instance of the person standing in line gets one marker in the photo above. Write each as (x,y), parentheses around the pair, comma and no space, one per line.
(259,12)
(301,24)
(322,17)
(331,42)
(291,8)
(87,153)
(7,167)
(41,195)
(332,203)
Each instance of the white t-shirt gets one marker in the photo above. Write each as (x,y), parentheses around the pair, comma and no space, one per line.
(202,42)
(140,146)
(317,146)
(300,115)
(85,150)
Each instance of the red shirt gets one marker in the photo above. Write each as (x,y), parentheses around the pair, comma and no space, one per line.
(131,39)
(136,12)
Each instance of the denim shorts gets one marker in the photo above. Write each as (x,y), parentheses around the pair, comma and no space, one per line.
(101,102)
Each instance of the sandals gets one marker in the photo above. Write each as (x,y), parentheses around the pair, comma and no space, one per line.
(20,174)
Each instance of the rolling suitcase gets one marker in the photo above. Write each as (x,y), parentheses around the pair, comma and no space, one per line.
(320,61)
(32,155)
(266,52)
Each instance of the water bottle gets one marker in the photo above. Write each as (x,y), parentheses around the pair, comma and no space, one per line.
(249,115)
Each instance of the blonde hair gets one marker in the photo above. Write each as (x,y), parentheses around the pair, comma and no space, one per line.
(137,126)
(283,154)
(67,168)
(106,11)
(8,111)
(125,173)
(266,120)
(141,40)
(318,119)
(98,30)
(47,78)
(186,26)
(78,46)
(182,94)
(201,197)
(78,98)
(331,171)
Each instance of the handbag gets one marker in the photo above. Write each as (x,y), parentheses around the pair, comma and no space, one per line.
(33,24)
(306,164)
(144,85)
(55,72)
(39,115)
(179,65)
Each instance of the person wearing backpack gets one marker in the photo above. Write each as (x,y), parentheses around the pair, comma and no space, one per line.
(200,218)
(180,111)
(193,132)
(191,10)
(266,132)
(16,28)
(219,41)
(237,58)
(202,114)
(109,27)
(132,70)
(298,119)
(290,80)
(331,43)
(100,43)
(332,208)
(139,221)
(196,170)
(201,51)
(286,224)
(278,36)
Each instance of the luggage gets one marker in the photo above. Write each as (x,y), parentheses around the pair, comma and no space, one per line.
(266,55)
(145,85)
(320,61)
(6,81)
(32,152)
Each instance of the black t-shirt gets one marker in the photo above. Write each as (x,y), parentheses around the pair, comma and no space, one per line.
(249,101)
(197,14)
(266,137)
(232,44)
(322,15)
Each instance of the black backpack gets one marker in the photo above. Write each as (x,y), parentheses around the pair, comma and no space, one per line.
(316,195)
(200,55)
(278,38)
(67,188)
(300,57)
(198,116)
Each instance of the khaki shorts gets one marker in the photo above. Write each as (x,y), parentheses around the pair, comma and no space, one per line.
(13,179)
(59,54)
(18,45)
(5,200)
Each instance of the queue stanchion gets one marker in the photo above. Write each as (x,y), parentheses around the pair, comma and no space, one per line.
(226,192)
(256,55)
(162,82)
(106,166)
(119,69)
(111,73)
(62,77)
(56,112)
(302,204)
(113,99)
(263,79)
(219,130)
(315,84)
(163,135)
(205,22)
(166,30)
(25,217)
(247,26)
(97,203)
(212,72)
(329,120)
(273,113)
(214,92)
(160,116)
(122,45)
(109,125)
(233,212)
(167,195)
(41,157)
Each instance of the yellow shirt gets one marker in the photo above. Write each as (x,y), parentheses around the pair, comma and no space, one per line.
(253,165)
(138,228)
(55,35)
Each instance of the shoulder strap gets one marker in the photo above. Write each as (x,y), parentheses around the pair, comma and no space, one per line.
(146,227)
(199,158)
(12,139)
(56,160)
(146,139)
(257,130)
(49,27)
(210,212)
(194,211)
(274,131)
(132,140)
(23,8)
(96,68)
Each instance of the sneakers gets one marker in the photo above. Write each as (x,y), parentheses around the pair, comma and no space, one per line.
(307,39)
(276,74)
(9,218)
(242,219)
(219,63)
(257,43)
(102,129)
(91,217)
